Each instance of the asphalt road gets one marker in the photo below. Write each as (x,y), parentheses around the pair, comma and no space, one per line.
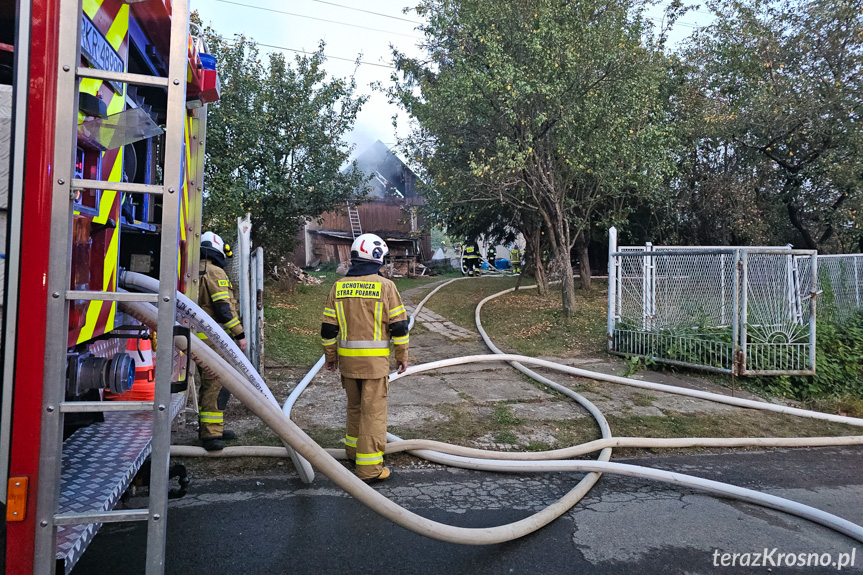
(275,524)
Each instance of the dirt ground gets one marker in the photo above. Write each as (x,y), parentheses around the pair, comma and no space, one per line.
(491,405)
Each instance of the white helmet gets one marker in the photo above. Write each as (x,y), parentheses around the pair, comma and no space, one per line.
(214,242)
(369,247)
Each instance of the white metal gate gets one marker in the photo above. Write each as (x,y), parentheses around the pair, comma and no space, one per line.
(748,311)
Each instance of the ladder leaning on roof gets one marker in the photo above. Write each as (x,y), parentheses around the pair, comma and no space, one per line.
(354,217)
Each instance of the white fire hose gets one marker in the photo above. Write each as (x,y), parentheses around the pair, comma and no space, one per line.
(512,462)
(203,323)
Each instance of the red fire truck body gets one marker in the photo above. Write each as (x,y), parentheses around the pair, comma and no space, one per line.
(121,140)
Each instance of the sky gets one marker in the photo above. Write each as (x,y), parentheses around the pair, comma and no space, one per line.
(351,28)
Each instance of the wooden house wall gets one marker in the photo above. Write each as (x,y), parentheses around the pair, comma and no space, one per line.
(374,217)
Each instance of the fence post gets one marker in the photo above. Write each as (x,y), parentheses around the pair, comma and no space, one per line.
(722,314)
(251,311)
(857,261)
(735,313)
(812,305)
(612,285)
(744,313)
(244,228)
(645,288)
(259,312)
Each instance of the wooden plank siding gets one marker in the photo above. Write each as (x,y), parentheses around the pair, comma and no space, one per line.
(374,217)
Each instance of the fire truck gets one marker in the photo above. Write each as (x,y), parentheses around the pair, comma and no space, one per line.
(104,106)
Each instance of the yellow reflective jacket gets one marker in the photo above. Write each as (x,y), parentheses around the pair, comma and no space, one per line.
(361,314)
(216,297)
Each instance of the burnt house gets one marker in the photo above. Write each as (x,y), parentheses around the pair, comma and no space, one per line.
(386,205)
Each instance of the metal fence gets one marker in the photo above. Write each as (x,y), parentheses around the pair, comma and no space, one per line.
(840,286)
(734,310)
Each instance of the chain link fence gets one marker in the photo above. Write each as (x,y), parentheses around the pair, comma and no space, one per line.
(748,311)
(840,285)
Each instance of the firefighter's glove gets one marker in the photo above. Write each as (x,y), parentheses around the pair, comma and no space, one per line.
(332,365)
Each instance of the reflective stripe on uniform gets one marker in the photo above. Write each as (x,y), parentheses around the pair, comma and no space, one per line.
(370,458)
(232,323)
(401,340)
(220,296)
(329,312)
(328,341)
(350,441)
(340,316)
(364,352)
(379,312)
(363,344)
(396,311)
(202,335)
(211,417)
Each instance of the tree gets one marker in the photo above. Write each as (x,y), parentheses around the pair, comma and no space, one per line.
(541,106)
(275,144)
(780,89)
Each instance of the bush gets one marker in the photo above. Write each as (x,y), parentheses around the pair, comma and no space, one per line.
(838,365)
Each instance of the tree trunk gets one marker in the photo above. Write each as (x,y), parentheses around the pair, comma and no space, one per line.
(792,184)
(533,259)
(562,252)
(567,288)
(583,260)
(536,257)
(540,275)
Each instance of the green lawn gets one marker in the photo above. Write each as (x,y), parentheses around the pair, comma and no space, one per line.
(525,321)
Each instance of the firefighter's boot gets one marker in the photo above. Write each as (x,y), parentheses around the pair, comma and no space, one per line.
(213,444)
(385,474)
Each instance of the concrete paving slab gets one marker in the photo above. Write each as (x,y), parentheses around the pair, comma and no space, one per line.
(412,415)
(422,390)
(501,387)
(548,410)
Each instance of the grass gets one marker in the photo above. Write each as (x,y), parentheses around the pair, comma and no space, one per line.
(503,415)
(505,437)
(643,399)
(845,405)
(457,301)
(538,327)
(526,322)
(293,320)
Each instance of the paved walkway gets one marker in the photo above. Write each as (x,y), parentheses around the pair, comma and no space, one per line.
(439,324)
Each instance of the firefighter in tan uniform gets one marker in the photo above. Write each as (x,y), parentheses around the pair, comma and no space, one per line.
(216,298)
(362,312)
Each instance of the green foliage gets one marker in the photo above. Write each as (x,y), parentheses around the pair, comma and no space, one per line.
(768,111)
(275,143)
(634,364)
(838,365)
(536,113)
(504,416)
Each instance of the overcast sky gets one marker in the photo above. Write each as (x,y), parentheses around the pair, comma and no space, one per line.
(301,24)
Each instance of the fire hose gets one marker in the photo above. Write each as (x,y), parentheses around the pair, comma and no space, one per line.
(256,399)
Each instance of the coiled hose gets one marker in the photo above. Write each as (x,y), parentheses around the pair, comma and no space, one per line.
(440,452)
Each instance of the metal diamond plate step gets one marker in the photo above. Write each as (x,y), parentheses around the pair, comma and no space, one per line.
(99,462)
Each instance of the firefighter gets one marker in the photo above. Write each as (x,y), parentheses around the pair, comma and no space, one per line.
(216,297)
(362,312)
(515,259)
(471,259)
(491,256)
